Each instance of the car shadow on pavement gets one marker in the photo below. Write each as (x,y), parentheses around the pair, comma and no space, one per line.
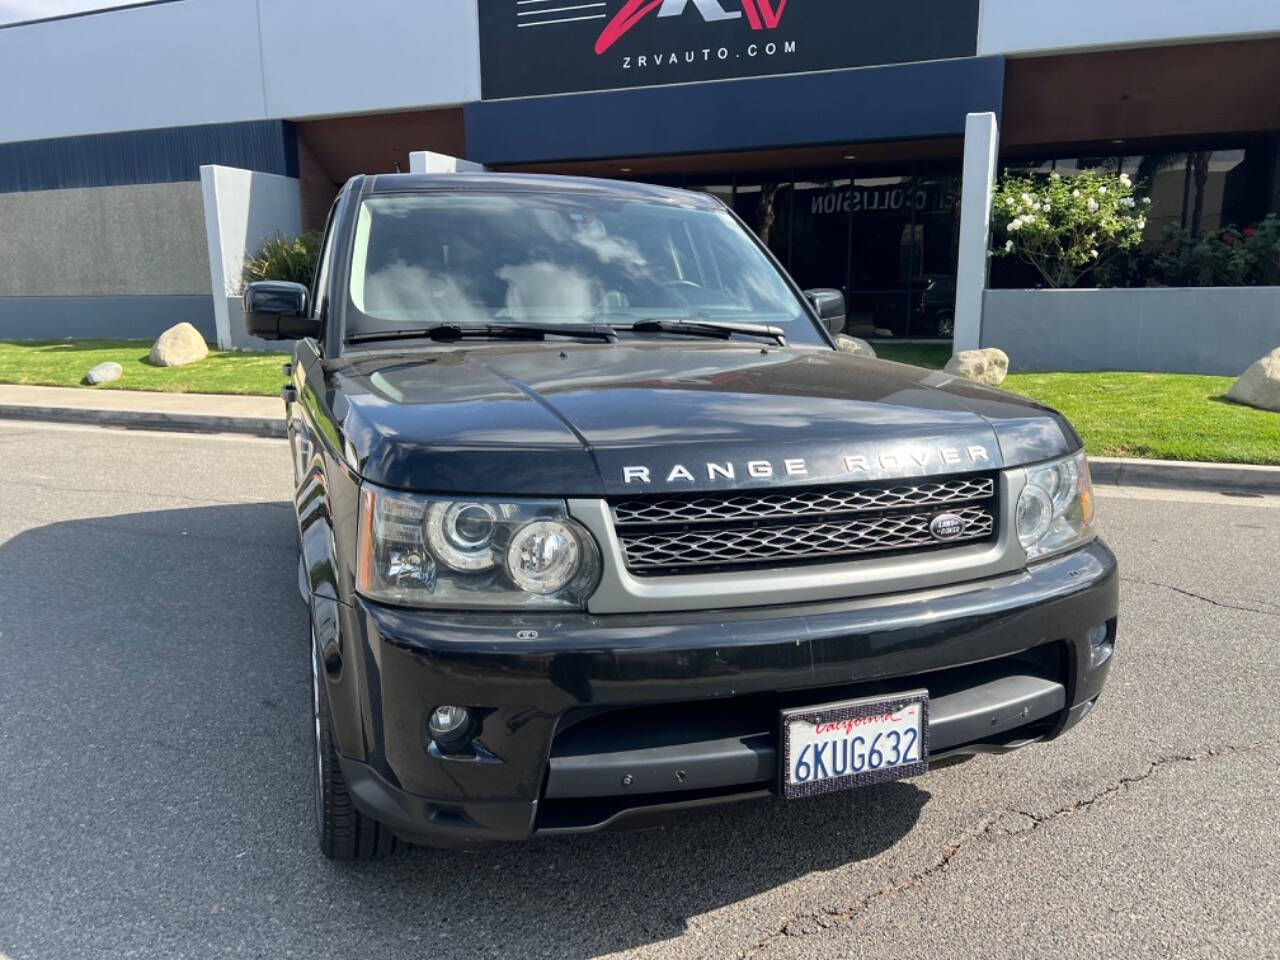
(155,742)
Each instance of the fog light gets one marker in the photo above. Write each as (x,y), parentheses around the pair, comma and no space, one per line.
(1100,649)
(449,726)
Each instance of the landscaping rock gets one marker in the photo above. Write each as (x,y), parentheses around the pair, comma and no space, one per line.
(988,366)
(855,345)
(1259,386)
(179,345)
(104,373)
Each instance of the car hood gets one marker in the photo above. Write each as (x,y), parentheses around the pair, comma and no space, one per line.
(597,419)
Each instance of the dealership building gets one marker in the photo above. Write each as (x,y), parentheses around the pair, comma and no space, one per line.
(144,148)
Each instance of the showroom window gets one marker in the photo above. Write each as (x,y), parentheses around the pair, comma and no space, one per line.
(1195,189)
(886,237)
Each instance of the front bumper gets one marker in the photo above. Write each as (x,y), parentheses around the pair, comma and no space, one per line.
(609,721)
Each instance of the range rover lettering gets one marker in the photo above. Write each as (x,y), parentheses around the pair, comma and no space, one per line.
(596,525)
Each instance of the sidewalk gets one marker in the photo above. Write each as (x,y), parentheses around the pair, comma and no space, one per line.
(198,412)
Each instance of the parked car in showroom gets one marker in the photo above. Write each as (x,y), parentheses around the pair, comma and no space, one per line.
(936,308)
(596,525)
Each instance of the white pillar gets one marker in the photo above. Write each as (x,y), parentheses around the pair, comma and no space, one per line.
(242,209)
(425,161)
(981,148)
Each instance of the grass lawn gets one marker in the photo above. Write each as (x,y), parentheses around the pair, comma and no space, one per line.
(1161,416)
(63,363)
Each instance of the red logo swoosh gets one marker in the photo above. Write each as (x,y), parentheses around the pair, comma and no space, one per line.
(632,12)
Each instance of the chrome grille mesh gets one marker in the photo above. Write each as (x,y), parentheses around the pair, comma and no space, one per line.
(683,534)
(814,502)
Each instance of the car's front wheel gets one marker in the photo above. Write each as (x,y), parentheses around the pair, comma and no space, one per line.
(344,832)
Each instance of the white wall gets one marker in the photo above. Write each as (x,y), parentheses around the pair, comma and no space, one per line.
(216,61)
(335,56)
(170,64)
(241,210)
(1034,26)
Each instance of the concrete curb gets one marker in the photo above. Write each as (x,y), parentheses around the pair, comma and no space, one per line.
(1183,475)
(147,420)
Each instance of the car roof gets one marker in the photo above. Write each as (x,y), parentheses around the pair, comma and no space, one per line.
(535,183)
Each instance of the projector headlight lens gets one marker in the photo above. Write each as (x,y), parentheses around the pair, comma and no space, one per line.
(461,533)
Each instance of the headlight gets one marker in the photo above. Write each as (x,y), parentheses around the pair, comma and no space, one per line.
(1055,508)
(472,552)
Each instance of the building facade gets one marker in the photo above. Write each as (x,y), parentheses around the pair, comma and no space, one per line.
(834,128)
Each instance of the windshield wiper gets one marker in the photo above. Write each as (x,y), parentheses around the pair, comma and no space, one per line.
(451,332)
(706,328)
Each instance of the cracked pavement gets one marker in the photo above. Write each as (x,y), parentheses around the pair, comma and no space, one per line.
(155,745)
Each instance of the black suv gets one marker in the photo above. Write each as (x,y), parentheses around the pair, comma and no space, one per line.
(597,525)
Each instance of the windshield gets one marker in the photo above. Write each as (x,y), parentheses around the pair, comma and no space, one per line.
(476,258)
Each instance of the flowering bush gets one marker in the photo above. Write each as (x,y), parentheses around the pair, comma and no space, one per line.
(1229,257)
(1067,227)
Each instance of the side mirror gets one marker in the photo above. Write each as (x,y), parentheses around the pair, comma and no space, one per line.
(828,304)
(277,310)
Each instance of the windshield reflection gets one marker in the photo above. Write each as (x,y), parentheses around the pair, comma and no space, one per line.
(493,257)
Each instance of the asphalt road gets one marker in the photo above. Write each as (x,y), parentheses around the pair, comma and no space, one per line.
(155,766)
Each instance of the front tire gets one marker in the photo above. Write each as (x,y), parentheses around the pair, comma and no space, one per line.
(343,831)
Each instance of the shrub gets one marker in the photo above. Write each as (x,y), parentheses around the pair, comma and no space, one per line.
(1229,257)
(1067,227)
(285,258)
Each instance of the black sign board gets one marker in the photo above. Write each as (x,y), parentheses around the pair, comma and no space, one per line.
(535,47)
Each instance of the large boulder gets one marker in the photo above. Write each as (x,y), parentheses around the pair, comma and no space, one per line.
(1259,386)
(988,366)
(179,345)
(104,373)
(854,345)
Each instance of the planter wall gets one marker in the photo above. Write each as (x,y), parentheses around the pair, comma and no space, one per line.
(1212,330)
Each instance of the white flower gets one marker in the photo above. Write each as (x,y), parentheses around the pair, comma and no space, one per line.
(1147,201)
(1008,246)
(1045,206)
(1130,202)
(1076,193)
(1015,224)
(1028,198)
(1094,254)
(1010,202)
(1124,178)
(1055,175)
(1092,205)
(1102,189)
(1142,223)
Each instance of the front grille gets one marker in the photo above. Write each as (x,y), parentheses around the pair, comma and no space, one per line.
(705,531)
(815,501)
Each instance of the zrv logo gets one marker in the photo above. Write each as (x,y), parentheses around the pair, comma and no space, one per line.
(533,48)
(761,15)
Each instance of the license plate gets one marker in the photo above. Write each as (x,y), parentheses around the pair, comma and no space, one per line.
(840,745)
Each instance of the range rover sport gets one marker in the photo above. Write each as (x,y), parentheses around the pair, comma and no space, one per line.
(597,525)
